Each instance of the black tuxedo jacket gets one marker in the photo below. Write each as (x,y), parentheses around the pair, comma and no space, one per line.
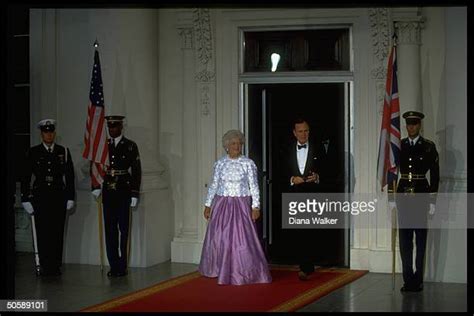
(291,169)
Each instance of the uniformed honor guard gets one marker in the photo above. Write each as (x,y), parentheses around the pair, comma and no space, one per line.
(418,156)
(120,191)
(52,194)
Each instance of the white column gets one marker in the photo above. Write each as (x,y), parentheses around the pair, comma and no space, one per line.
(455,166)
(447,248)
(185,246)
(205,93)
(409,67)
(137,93)
(43,69)
(198,117)
(190,141)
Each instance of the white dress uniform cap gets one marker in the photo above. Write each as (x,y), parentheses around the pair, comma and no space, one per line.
(48,124)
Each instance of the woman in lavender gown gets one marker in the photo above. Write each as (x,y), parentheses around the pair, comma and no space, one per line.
(232,251)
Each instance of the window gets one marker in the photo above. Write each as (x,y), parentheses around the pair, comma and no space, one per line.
(299,50)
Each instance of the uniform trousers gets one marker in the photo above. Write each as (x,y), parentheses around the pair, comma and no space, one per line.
(50,215)
(412,221)
(116,220)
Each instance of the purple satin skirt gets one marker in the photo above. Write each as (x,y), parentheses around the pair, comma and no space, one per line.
(232,251)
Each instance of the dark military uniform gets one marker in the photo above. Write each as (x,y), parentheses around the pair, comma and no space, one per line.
(117,190)
(53,186)
(415,161)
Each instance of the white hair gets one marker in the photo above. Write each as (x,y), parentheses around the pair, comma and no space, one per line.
(231,134)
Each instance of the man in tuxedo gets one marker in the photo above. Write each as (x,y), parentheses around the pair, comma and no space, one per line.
(301,175)
(303,160)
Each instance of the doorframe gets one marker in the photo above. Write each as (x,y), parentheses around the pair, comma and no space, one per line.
(345,77)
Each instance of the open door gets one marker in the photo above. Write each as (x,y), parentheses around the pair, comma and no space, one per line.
(271,110)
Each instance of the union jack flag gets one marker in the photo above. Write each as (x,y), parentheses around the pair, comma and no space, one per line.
(95,137)
(389,146)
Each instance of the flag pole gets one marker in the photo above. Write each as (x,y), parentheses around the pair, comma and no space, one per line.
(129,234)
(35,245)
(100,213)
(394,237)
(394,210)
(101,234)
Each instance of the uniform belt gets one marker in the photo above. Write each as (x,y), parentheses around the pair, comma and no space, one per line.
(413,176)
(115,172)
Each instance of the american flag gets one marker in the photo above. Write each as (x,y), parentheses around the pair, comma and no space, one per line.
(389,147)
(95,136)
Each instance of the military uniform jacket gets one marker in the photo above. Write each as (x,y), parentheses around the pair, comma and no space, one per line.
(52,171)
(123,159)
(415,162)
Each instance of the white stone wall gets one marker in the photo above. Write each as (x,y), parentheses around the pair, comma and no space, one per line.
(61,64)
(444,81)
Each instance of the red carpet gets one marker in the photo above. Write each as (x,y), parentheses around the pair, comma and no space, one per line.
(194,293)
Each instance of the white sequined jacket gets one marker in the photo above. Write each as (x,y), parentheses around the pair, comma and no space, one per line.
(234,177)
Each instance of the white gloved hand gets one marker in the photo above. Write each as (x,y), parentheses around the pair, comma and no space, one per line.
(28,207)
(391,205)
(96,193)
(432,209)
(133,202)
(70,205)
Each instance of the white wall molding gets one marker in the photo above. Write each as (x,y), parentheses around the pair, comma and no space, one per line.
(195,28)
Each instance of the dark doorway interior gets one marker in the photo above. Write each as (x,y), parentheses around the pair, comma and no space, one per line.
(272,109)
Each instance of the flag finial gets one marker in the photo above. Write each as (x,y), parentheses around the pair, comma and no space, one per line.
(96,43)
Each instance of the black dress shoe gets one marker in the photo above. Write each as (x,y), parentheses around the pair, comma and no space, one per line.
(111,274)
(302,276)
(121,273)
(418,288)
(50,273)
(412,288)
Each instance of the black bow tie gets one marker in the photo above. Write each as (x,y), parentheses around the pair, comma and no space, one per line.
(301,146)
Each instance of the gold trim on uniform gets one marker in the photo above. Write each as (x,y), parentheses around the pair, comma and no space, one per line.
(115,172)
(412,176)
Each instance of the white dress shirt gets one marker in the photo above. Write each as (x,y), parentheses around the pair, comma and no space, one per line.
(414,140)
(117,140)
(46,146)
(302,155)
